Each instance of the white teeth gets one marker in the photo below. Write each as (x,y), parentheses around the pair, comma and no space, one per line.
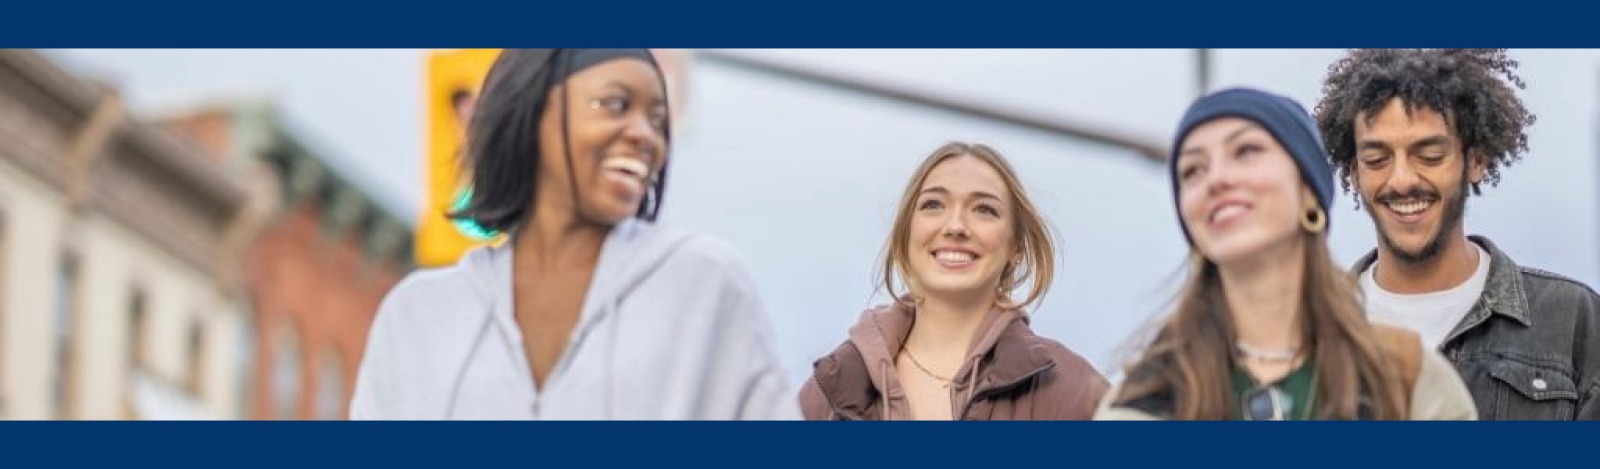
(1409,208)
(629,165)
(1227,211)
(952,256)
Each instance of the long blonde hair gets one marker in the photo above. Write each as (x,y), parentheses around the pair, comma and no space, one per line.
(1031,235)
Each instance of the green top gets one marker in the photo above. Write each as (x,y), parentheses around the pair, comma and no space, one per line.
(1297,392)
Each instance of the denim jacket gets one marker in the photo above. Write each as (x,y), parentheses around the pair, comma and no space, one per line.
(1530,347)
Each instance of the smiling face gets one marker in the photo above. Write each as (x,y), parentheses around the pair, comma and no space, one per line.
(1412,174)
(1239,191)
(961,234)
(616,125)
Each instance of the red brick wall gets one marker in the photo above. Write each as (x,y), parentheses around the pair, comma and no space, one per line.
(321,286)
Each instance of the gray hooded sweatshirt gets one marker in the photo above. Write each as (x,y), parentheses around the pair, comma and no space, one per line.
(671,328)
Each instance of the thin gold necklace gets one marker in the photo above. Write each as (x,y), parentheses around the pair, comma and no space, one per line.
(947,381)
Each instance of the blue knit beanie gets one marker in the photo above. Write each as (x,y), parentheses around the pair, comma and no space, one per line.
(1284,118)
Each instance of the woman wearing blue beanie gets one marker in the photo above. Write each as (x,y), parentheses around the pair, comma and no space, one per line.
(1267,326)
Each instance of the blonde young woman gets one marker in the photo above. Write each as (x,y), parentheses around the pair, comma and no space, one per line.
(955,345)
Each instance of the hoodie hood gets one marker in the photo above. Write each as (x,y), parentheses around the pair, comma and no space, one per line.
(858,378)
(632,251)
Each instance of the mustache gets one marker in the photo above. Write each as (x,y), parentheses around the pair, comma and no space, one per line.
(1415,193)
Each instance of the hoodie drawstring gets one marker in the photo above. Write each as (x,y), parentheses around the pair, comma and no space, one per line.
(972,383)
(461,371)
(885,407)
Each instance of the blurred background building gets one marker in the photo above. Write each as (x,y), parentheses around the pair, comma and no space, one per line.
(119,293)
(223,256)
(194,262)
(318,268)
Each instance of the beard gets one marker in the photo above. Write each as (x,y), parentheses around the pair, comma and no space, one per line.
(1455,208)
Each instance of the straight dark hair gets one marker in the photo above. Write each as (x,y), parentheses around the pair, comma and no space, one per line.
(503,139)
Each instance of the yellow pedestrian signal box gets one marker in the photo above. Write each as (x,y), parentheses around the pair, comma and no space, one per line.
(454,79)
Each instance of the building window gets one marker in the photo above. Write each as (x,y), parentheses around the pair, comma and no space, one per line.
(195,345)
(138,330)
(330,385)
(245,359)
(286,375)
(65,320)
(138,357)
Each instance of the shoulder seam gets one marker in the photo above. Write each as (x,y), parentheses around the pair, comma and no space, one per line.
(1548,275)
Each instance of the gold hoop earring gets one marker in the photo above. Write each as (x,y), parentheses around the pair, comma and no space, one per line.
(1315,220)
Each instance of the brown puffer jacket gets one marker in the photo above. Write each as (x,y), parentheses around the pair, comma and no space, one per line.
(1009,374)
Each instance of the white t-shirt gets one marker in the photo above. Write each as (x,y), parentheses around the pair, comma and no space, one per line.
(1433,314)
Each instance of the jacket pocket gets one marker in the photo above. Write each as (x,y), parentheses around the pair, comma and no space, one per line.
(1532,392)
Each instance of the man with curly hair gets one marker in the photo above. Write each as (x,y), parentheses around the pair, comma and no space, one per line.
(1411,132)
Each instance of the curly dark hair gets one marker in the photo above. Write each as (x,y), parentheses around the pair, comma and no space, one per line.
(1462,84)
